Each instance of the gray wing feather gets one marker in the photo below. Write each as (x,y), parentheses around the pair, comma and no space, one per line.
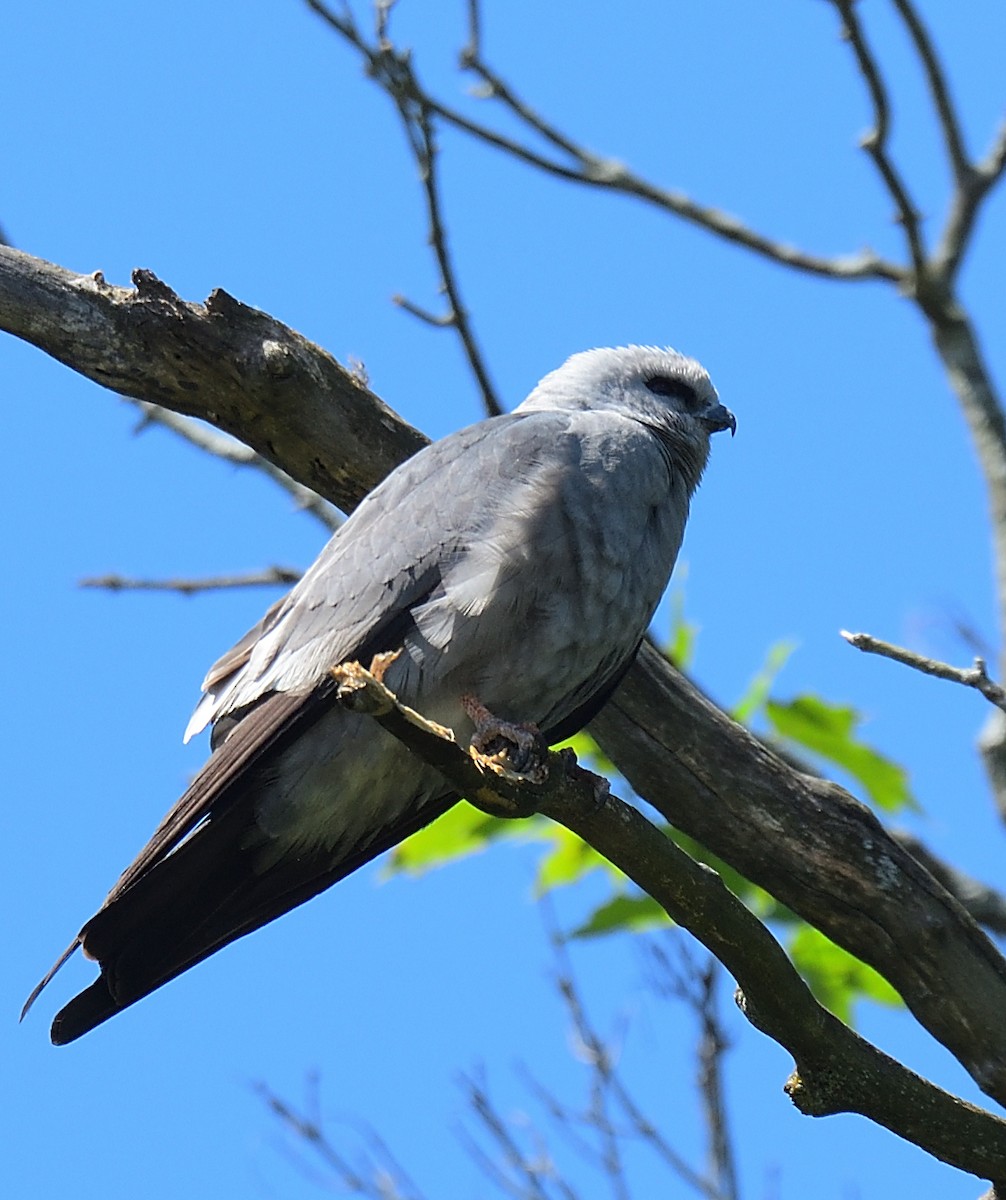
(373,569)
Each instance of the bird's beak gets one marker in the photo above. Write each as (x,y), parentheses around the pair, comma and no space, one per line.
(720,418)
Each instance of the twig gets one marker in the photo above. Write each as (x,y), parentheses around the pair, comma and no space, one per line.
(696,987)
(269,577)
(875,142)
(603,1062)
(712,1045)
(422,139)
(525,1178)
(394,72)
(971,190)
(385,1178)
(602,1070)
(939,90)
(836,1069)
(230,450)
(975,677)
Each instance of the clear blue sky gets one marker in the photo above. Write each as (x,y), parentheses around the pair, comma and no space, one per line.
(239,146)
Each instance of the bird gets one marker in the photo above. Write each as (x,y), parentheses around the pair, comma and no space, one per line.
(518,561)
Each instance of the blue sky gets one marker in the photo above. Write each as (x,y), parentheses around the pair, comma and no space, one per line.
(241,147)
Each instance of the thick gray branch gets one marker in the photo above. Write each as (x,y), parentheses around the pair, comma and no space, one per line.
(815,848)
(229,364)
(805,841)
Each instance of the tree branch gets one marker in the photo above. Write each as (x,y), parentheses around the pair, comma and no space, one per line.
(974,677)
(939,90)
(422,140)
(269,577)
(221,361)
(835,1069)
(592,170)
(230,450)
(875,142)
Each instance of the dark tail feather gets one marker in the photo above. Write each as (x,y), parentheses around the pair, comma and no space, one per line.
(208,892)
(86,1010)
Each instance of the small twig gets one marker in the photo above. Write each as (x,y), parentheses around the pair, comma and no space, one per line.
(695,986)
(975,677)
(230,450)
(939,89)
(523,1177)
(603,1063)
(269,577)
(713,1043)
(385,1179)
(415,115)
(444,321)
(971,190)
(875,142)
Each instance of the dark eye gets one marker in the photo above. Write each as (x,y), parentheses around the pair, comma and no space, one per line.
(667,385)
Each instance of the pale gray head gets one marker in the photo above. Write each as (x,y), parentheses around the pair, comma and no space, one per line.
(671,394)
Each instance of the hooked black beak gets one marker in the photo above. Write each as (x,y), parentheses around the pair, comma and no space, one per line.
(720,418)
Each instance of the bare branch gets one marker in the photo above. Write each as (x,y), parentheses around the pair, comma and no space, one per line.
(444,321)
(939,89)
(238,368)
(836,1069)
(971,190)
(269,577)
(593,170)
(520,1175)
(875,142)
(382,1178)
(602,1061)
(697,986)
(712,1044)
(222,446)
(974,677)
(419,129)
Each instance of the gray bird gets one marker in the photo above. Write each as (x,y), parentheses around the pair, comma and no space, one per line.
(518,561)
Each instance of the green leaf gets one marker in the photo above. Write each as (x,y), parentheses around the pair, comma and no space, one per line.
(623,914)
(680,647)
(461,831)
(829,730)
(568,861)
(834,976)
(753,700)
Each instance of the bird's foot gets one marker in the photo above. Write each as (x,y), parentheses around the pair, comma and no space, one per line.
(516,746)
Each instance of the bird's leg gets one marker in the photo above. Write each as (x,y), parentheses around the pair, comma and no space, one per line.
(518,744)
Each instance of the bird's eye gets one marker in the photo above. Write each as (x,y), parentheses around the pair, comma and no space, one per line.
(667,385)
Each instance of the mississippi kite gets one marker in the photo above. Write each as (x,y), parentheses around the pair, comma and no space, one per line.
(518,561)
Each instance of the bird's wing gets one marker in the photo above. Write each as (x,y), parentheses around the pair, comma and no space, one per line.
(379,565)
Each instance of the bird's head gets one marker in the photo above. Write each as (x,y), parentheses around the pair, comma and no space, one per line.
(666,391)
